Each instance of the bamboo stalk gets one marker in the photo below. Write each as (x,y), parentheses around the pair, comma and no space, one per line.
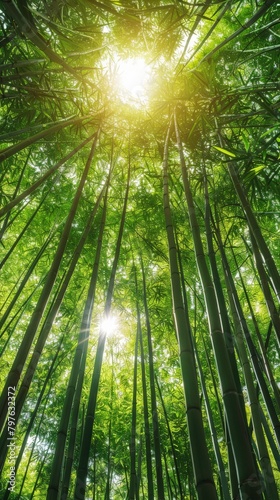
(204,482)
(249,483)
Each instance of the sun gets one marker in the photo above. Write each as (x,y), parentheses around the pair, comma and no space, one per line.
(133,78)
(109,325)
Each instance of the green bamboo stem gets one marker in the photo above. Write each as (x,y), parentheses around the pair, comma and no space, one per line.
(274,314)
(229,340)
(25,280)
(34,415)
(253,224)
(69,458)
(139,466)
(43,178)
(20,359)
(204,482)
(31,454)
(221,468)
(80,486)
(263,280)
(43,335)
(23,231)
(242,327)
(84,337)
(263,455)
(74,388)
(265,360)
(270,439)
(29,29)
(11,150)
(6,219)
(171,439)
(155,420)
(10,327)
(145,411)
(246,471)
(132,444)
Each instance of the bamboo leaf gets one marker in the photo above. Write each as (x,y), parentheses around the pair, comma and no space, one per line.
(225,151)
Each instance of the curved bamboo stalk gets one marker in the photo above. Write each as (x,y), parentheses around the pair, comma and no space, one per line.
(271,307)
(18,314)
(227,330)
(242,328)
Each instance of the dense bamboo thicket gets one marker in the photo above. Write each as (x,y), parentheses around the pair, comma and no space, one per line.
(139,256)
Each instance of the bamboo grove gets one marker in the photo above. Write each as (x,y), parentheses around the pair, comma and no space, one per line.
(139,256)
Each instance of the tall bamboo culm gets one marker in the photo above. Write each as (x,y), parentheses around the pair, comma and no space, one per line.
(80,486)
(249,483)
(202,469)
